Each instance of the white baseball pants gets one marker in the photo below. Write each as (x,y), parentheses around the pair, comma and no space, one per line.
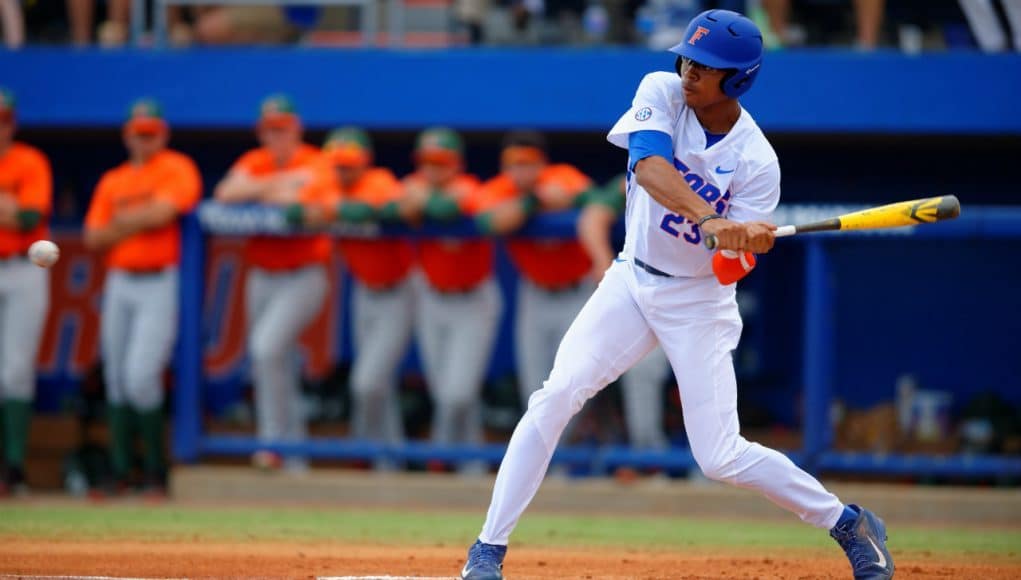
(628,315)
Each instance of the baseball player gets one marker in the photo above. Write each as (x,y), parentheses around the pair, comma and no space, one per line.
(460,304)
(287,282)
(133,218)
(25,199)
(697,165)
(642,386)
(553,284)
(383,295)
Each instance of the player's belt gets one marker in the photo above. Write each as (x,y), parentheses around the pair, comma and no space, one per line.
(650,269)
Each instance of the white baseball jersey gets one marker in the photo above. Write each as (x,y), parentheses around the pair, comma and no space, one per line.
(739,176)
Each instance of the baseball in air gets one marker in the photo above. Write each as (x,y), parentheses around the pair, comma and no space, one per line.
(44,253)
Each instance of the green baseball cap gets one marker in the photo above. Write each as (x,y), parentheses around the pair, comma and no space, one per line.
(8,104)
(278,110)
(348,146)
(145,116)
(439,145)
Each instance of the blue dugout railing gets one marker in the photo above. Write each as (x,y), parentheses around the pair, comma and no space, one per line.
(190,443)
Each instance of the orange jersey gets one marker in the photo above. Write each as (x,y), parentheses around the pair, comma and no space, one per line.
(549,263)
(25,176)
(455,264)
(168,176)
(376,263)
(280,253)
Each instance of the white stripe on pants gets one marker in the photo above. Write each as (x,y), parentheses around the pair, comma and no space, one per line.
(625,318)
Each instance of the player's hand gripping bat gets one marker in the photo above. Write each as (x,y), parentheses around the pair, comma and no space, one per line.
(894,215)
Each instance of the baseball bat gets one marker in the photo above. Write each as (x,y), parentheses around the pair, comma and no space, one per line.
(894,215)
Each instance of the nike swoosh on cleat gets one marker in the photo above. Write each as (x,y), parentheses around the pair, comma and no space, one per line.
(465,571)
(722,172)
(882,559)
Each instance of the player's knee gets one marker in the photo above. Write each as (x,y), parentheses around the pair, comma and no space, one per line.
(140,377)
(265,351)
(145,398)
(721,462)
(457,402)
(714,469)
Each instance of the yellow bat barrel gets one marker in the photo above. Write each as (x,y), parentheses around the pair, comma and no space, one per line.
(904,213)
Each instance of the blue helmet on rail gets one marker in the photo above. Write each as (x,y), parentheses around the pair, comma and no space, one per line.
(725,40)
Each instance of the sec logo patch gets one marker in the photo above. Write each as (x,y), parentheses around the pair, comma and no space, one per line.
(643,114)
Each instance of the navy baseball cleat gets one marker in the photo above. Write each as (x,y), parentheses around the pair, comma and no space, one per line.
(864,541)
(485,562)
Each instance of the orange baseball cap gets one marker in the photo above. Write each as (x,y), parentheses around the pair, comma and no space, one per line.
(278,111)
(145,117)
(348,147)
(439,145)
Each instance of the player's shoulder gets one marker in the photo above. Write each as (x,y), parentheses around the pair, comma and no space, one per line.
(661,86)
(562,172)
(755,149)
(466,181)
(176,158)
(501,184)
(307,153)
(255,158)
(27,153)
(660,80)
(381,176)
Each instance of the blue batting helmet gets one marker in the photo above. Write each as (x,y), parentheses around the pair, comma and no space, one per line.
(725,40)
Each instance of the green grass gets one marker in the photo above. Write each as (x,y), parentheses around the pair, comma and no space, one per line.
(308,524)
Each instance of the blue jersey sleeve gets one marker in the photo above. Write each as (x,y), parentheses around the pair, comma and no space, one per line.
(642,144)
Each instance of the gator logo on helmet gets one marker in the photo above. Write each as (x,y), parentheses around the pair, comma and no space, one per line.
(699,33)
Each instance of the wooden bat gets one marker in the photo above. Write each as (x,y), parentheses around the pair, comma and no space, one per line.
(894,215)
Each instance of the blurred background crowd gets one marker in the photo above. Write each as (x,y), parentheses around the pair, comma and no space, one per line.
(907,25)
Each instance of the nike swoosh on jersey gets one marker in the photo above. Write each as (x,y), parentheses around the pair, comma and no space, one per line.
(882,559)
(723,172)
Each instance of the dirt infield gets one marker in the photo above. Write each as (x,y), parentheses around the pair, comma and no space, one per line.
(310,560)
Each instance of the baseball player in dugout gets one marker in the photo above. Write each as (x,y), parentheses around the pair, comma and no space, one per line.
(697,165)
(133,218)
(554,272)
(383,294)
(287,280)
(460,303)
(25,199)
(642,385)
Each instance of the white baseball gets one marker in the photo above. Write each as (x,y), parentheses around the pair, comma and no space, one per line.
(44,253)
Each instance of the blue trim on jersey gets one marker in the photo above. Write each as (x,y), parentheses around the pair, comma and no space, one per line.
(642,144)
(713,138)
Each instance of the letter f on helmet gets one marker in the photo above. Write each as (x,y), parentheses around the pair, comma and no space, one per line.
(699,33)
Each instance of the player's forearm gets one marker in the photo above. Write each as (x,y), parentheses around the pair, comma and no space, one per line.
(153,215)
(240,189)
(658,177)
(102,238)
(505,218)
(594,227)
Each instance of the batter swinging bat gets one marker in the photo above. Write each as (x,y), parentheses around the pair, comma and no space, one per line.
(894,215)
